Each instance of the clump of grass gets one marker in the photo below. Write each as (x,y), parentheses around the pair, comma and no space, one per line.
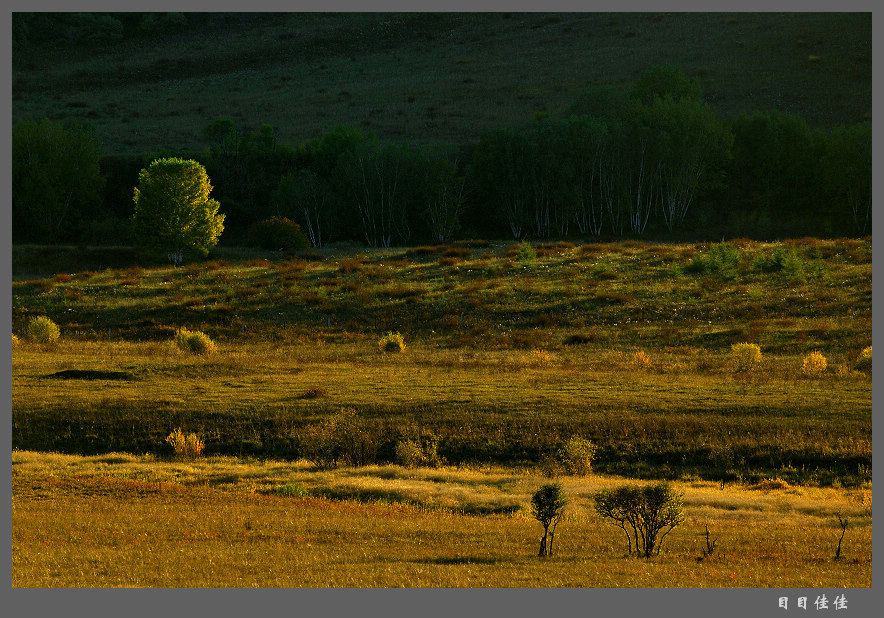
(814,364)
(350,265)
(541,357)
(391,342)
(15,340)
(747,356)
(291,490)
(188,446)
(768,484)
(641,360)
(43,330)
(576,455)
(864,362)
(194,341)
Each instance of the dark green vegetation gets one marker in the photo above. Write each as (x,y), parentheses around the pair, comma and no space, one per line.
(471,125)
(510,351)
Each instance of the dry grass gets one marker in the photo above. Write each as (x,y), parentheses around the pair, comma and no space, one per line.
(125,520)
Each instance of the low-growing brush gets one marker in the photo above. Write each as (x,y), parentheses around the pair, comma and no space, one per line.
(864,362)
(814,364)
(194,341)
(747,356)
(189,446)
(391,342)
(576,455)
(641,360)
(43,330)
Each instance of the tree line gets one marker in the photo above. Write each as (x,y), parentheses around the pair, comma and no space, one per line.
(655,162)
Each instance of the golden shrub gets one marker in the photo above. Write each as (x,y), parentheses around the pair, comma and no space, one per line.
(391,342)
(747,356)
(43,330)
(194,341)
(541,357)
(814,364)
(864,362)
(189,446)
(641,360)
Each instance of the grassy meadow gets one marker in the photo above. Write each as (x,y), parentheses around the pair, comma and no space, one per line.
(510,350)
(126,520)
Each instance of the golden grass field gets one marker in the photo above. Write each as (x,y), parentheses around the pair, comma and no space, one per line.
(628,345)
(125,520)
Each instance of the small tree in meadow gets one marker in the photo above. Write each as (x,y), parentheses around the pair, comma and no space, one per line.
(547,505)
(643,514)
(814,364)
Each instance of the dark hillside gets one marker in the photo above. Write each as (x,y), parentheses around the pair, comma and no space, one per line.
(426,77)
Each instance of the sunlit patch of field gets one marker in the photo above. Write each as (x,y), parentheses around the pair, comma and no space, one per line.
(504,358)
(126,520)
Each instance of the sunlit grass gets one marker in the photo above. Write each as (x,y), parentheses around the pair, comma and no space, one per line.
(124,520)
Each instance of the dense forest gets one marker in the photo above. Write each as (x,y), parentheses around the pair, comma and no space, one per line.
(652,158)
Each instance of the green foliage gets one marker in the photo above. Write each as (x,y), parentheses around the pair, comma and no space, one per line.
(525,253)
(291,490)
(721,259)
(547,505)
(43,330)
(785,261)
(412,453)
(747,356)
(342,439)
(666,81)
(576,455)
(847,172)
(642,513)
(391,342)
(195,342)
(173,209)
(277,233)
(56,180)
(306,196)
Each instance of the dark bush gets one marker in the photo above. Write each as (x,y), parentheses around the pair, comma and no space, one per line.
(277,234)
(642,513)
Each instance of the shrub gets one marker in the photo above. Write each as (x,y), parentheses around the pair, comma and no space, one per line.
(641,360)
(391,342)
(814,364)
(43,330)
(188,446)
(642,513)
(412,453)
(747,356)
(525,253)
(722,259)
(864,362)
(576,455)
(277,233)
(783,260)
(547,505)
(342,439)
(194,341)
